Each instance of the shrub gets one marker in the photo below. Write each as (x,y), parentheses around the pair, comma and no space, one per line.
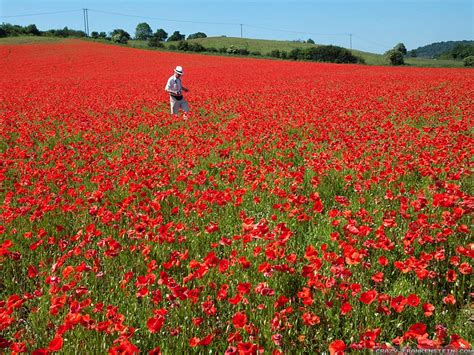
(183,46)
(222,50)
(196,47)
(333,54)
(11,30)
(256,53)
(120,36)
(155,42)
(469,61)
(65,32)
(232,49)
(274,53)
(197,35)
(295,54)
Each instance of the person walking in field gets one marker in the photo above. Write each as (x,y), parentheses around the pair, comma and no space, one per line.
(175,88)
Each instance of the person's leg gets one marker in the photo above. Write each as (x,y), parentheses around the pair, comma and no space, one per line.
(185,107)
(174,106)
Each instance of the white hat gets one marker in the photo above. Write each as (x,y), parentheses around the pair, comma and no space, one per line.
(179,70)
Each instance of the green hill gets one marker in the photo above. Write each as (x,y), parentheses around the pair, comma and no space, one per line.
(435,49)
(264,47)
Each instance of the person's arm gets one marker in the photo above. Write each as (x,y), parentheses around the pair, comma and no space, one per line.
(168,88)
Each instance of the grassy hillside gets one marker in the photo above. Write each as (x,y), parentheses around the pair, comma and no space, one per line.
(28,40)
(266,46)
(252,45)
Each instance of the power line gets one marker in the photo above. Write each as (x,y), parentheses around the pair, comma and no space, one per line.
(41,13)
(163,19)
(220,23)
(373,42)
(86,23)
(297,32)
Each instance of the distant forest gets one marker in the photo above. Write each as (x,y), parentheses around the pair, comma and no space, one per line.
(435,50)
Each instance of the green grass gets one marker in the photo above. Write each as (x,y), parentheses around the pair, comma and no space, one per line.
(28,40)
(252,45)
(434,63)
(266,46)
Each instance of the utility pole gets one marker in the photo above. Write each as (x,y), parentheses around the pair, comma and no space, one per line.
(86,21)
(241,36)
(84,18)
(350,37)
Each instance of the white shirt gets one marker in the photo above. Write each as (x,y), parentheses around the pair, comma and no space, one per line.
(174,85)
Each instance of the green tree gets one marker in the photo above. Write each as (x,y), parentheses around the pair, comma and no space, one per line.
(11,30)
(32,30)
(310,41)
(176,36)
(401,48)
(94,34)
(462,51)
(143,31)
(395,57)
(120,36)
(197,35)
(161,35)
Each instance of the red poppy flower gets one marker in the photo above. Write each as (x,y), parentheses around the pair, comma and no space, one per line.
(368,297)
(428,309)
(56,344)
(449,299)
(337,347)
(239,319)
(413,300)
(345,308)
(310,318)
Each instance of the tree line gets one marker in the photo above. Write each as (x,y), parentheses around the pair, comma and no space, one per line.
(143,32)
(9,30)
(460,51)
(437,49)
(156,39)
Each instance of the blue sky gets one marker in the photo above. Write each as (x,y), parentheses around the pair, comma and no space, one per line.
(375,25)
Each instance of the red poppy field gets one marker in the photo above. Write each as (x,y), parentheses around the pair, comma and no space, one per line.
(303,207)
